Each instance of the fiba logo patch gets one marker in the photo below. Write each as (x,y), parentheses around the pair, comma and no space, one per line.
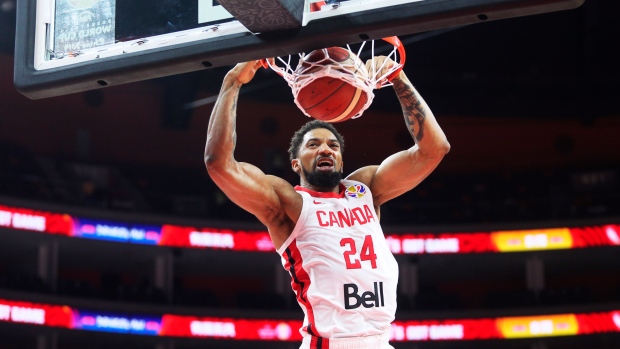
(356,191)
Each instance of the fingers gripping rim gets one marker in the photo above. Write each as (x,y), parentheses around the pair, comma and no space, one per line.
(402,56)
(246,74)
(379,77)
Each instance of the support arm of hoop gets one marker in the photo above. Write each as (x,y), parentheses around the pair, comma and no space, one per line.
(402,56)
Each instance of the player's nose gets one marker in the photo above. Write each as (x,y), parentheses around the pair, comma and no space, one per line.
(325,149)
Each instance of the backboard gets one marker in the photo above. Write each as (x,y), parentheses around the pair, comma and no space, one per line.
(69,46)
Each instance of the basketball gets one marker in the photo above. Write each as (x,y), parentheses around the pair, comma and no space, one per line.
(330,98)
(334,54)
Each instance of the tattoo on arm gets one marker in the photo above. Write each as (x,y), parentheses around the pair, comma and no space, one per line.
(233,108)
(233,111)
(413,110)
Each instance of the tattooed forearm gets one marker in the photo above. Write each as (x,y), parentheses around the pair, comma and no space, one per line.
(413,110)
(234,124)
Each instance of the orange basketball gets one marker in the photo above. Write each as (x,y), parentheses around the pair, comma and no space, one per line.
(329,98)
(337,54)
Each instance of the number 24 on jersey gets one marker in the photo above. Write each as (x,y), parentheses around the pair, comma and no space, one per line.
(366,254)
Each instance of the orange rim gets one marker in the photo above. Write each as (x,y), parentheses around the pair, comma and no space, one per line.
(394,40)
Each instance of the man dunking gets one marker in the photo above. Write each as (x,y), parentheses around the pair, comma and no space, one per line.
(327,229)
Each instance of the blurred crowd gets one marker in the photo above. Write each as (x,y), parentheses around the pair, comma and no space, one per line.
(534,195)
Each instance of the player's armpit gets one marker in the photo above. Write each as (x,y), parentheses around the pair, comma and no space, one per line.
(272,200)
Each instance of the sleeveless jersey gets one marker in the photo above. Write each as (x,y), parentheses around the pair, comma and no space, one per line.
(343,272)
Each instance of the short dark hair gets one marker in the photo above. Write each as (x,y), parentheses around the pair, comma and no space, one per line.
(309,126)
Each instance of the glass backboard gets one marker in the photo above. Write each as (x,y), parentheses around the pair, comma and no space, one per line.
(68,46)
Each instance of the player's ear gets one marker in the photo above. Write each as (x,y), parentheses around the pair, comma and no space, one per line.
(295,165)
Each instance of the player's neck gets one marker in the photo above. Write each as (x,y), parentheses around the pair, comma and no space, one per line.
(306,185)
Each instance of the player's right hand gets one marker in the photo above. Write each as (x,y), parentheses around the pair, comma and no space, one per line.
(245,71)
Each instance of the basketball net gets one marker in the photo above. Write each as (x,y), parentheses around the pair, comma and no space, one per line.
(352,72)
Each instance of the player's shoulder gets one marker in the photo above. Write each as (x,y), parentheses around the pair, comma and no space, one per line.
(280,185)
(363,175)
(283,218)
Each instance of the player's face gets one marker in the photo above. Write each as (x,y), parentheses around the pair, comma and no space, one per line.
(319,159)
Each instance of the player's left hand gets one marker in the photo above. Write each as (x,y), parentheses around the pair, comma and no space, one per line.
(380,66)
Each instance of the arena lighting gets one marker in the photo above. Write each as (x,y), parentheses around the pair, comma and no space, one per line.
(7,5)
(259,241)
(571,324)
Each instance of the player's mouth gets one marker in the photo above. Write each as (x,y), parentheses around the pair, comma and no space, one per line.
(325,164)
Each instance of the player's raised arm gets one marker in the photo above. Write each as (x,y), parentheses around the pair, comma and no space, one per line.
(404,170)
(246,185)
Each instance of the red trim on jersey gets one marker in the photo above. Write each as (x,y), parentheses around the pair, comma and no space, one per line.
(320,194)
(319,343)
(301,279)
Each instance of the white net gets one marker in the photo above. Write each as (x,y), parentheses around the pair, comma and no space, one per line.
(352,71)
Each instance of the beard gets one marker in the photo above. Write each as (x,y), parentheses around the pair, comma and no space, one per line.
(323,179)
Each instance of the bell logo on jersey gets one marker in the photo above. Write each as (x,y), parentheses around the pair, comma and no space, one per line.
(368,299)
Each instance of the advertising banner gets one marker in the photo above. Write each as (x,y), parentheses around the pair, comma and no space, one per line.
(82,24)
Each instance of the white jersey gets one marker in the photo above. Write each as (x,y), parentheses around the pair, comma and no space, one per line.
(342,270)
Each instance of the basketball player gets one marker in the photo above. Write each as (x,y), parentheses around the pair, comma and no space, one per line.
(327,228)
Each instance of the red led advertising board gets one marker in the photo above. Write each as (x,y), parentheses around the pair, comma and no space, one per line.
(259,241)
(571,324)
(40,221)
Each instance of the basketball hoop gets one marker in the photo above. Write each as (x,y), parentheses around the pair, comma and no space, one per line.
(350,70)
